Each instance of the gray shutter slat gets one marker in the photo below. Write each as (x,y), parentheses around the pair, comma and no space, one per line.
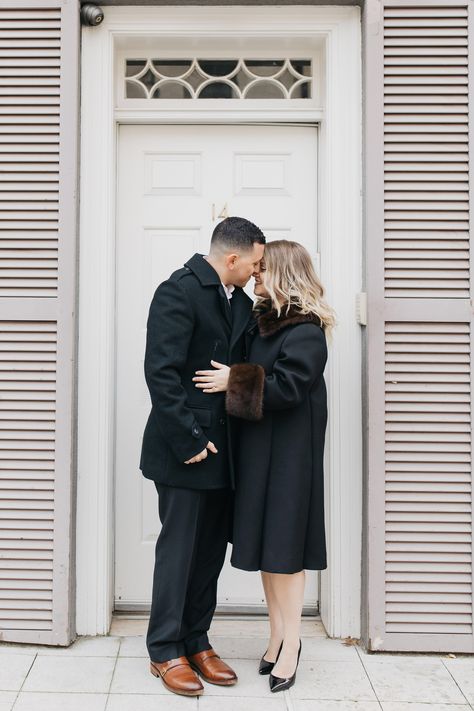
(38,114)
(419,336)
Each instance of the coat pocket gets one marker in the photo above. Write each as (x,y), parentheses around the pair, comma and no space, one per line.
(203,415)
(218,352)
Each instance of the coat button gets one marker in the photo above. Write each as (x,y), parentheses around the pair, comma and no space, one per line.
(222,421)
(195,431)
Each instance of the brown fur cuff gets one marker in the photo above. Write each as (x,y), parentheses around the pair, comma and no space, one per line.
(244,396)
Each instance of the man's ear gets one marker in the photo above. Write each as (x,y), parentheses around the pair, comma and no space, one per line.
(231,260)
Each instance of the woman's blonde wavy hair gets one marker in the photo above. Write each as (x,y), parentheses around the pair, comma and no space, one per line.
(291,282)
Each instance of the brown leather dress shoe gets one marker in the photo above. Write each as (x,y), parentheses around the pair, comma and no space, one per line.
(212,669)
(178,677)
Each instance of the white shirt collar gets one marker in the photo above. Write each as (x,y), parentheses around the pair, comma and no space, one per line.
(228,290)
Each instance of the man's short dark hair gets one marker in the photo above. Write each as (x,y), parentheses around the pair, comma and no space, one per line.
(236,233)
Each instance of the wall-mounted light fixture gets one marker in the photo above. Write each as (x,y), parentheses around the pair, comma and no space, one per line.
(91,14)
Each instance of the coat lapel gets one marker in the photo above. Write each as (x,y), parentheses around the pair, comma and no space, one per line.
(225,306)
(237,316)
(250,332)
(208,276)
(240,315)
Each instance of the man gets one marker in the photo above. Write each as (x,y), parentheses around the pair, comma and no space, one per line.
(196,316)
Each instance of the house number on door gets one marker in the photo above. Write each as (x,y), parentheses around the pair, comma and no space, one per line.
(223,213)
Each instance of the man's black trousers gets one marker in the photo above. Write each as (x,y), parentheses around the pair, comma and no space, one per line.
(189,556)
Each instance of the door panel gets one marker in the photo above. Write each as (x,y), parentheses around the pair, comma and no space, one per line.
(174,184)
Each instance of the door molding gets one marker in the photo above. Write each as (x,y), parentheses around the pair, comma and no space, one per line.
(337,30)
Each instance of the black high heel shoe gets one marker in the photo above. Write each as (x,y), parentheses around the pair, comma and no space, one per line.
(278,684)
(265,667)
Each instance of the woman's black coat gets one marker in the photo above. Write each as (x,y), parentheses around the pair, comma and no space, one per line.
(280,396)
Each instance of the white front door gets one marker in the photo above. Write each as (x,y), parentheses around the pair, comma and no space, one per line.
(174,184)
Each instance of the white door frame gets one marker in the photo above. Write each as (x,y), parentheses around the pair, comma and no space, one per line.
(340,237)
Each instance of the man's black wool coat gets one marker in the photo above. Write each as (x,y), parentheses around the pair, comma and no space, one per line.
(189,323)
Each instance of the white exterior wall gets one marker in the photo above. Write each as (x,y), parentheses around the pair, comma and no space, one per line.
(417,530)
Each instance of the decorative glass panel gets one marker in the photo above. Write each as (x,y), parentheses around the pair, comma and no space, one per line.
(218,78)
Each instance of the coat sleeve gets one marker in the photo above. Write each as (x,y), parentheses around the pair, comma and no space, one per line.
(170,328)
(301,361)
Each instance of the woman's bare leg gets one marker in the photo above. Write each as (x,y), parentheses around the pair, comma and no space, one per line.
(289,594)
(276,620)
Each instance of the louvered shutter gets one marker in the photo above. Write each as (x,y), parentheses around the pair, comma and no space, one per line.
(38,142)
(418,69)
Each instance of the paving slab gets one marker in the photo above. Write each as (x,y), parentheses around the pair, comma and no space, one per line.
(462,669)
(102,646)
(331,705)
(70,674)
(339,681)
(123,626)
(14,669)
(6,700)
(41,701)
(259,627)
(250,683)
(402,656)
(318,648)
(133,646)
(397,706)
(132,676)
(151,702)
(19,648)
(416,680)
(235,703)
(254,626)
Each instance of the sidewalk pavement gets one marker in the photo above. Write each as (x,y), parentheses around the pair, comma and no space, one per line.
(112,674)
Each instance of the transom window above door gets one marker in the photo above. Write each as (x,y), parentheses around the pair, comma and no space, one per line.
(281,78)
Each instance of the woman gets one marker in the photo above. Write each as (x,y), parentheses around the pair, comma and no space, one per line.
(280,398)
